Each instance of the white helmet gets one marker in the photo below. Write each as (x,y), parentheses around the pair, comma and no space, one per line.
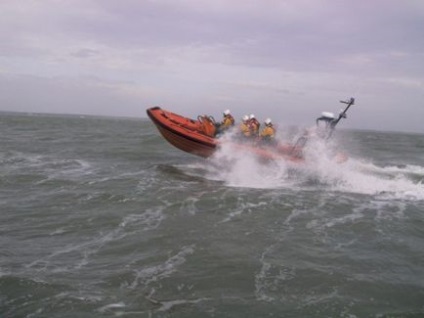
(268,121)
(252,116)
(245,118)
(226,112)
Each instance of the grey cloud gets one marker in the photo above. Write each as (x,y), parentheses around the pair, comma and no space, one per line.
(85,53)
(193,53)
(306,36)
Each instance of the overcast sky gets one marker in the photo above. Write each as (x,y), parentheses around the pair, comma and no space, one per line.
(284,59)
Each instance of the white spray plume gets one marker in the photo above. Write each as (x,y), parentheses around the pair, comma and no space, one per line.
(238,167)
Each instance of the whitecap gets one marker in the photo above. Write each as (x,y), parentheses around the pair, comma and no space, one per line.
(154,273)
(109,307)
(168,305)
(150,219)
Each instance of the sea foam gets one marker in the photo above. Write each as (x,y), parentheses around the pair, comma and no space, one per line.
(241,168)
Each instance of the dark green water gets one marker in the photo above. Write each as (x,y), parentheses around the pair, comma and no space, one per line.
(102,218)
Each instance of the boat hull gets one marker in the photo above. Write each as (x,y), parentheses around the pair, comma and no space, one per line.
(192,136)
(183,133)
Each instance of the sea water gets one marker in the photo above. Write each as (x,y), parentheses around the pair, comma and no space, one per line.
(101,217)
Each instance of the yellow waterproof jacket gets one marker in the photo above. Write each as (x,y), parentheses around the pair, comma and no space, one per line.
(227,122)
(244,128)
(268,132)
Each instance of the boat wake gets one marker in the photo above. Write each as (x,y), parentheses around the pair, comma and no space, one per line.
(320,171)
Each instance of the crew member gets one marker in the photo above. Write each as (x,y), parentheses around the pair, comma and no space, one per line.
(244,126)
(253,125)
(227,122)
(267,134)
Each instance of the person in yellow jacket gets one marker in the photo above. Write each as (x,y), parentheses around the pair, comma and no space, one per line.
(267,134)
(226,123)
(254,125)
(228,120)
(244,126)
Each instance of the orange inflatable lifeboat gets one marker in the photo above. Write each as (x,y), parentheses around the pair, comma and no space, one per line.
(198,137)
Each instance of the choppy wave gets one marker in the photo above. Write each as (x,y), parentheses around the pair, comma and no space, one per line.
(147,275)
(43,167)
(118,223)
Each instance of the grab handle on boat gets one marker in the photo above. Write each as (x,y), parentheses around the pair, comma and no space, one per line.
(208,125)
